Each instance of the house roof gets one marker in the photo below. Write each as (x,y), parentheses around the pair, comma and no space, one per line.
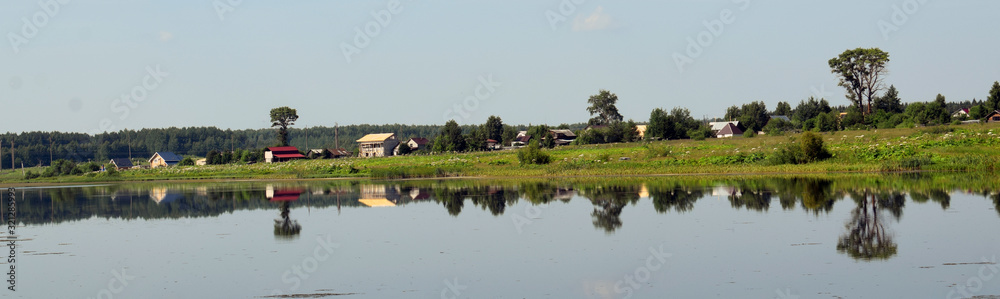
(491,141)
(563,134)
(730,129)
(716,126)
(524,138)
(964,110)
(376,137)
(167,157)
(419,140)
(285,152)
(338,152)
(121,162)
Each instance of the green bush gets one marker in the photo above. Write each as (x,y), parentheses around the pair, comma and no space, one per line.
(749,134)
(186,162)
(810,149)
(700,133)
(657,150)
(532,154)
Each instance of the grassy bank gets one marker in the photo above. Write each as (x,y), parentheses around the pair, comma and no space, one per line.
(944,148)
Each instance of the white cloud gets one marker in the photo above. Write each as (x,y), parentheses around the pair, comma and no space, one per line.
(595,21)
(166,36)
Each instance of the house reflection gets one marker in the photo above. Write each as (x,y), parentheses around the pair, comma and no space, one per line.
(379,195)
(164,195)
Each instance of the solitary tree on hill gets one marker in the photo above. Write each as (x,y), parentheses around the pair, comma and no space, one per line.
(861,72)
(282,117)
(603,104)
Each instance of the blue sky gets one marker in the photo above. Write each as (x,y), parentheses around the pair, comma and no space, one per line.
(227,63)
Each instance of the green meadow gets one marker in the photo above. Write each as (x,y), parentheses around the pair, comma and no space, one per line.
(957,148)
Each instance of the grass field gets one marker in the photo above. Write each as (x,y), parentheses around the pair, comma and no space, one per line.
(943,148)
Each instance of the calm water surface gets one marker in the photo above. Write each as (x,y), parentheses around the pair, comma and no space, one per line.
(855,237)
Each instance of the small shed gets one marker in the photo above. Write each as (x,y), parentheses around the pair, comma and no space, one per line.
(121,163)
(282,154)
(164,159)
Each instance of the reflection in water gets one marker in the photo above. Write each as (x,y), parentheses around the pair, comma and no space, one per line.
(609,202)
(285,227)
(867,237)
(675,197)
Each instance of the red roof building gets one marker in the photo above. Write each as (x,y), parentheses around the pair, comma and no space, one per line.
(282,154)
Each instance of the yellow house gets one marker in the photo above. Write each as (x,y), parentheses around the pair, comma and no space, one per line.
(377,145)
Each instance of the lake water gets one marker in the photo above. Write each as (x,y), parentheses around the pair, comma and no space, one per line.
(906,236)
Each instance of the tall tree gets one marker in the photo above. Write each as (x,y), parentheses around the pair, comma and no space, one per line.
(450,139)
(861,72)
(889,102)
(660,125)
(494,128)
(783,108)
(603,104)
(282,117)
(993,101)
(753,116)
(732,113)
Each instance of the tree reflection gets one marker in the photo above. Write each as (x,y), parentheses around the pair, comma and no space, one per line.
(609,202)
(678,198)
(496,199)
(750,198)
(867,237)
(452,199)
(285,226)
(936,195)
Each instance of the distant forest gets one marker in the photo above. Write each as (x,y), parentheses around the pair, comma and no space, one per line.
(33,148)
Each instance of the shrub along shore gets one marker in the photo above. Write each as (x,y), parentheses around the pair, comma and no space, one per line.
(942,148)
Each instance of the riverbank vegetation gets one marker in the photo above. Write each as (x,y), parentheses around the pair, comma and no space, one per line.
(941,148)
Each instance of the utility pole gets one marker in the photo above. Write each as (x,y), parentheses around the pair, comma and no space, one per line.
(306,130)
(336,136)
(128,139)
(50,150)
(12,167)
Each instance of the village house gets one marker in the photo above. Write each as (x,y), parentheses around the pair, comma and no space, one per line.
(719,125)
(493,144)
(642,130)
(164,159)
(729,130)
(377,145)
(961,113)
(338,153)
(993,117)
(417,143)
(563,137)
(282,154)
(121,163)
